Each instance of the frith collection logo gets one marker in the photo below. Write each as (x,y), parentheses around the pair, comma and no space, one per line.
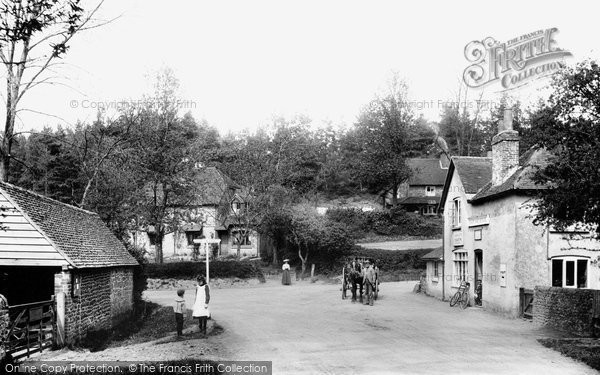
(513,63)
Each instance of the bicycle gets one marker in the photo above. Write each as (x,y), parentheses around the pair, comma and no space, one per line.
(462,295)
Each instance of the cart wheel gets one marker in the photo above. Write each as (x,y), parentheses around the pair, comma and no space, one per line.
(344,288)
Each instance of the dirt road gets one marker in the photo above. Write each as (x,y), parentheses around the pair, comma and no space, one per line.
(307,328)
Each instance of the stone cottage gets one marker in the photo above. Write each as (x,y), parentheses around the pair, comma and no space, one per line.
(490,239)
(214,210)
(49,249)
(422,192)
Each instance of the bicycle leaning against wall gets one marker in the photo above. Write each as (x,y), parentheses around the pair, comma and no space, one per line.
(462,295)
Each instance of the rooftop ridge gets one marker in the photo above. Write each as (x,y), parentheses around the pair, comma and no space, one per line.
(47,198)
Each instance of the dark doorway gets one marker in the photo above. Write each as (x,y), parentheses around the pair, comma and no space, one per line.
(478,278)
(27,284)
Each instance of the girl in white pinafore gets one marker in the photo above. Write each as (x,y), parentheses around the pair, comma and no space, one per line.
(201,304)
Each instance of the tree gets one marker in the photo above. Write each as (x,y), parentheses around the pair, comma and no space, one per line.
(33,35)
(569,127)
(305,229)
(463,128)
(167,159)
(381,140)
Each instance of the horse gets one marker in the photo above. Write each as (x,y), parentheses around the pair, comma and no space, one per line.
(353,277)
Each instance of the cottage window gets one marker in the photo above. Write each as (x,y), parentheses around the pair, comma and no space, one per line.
(456,213)
(430,191)
(436,269)
(569,272)
(460,266)
(193,235)
(238,207)
(245,239)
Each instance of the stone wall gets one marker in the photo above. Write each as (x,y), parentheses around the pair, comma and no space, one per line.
(121,296)
(106,298)
(568,310)
(4,325)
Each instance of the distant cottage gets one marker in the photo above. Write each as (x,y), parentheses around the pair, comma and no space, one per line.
(422,192)
(51,251)
(214,206)
(489,236)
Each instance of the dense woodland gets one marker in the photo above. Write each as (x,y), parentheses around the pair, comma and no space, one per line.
(133,166)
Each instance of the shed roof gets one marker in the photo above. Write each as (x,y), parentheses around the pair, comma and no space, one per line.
(80,236)
(436,254)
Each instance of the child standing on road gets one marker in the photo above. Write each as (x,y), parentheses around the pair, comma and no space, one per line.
(179,309)
(201,304)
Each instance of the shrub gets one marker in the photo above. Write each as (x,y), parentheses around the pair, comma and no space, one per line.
(218,269)
(391,222)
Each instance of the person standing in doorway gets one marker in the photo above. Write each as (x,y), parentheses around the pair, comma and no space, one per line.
(286,279)
(201,311)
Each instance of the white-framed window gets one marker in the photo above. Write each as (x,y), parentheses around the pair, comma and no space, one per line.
(238,207)
(429,210)
(570,272)
(461,263)
(436,269)
(430,191)
(456,212)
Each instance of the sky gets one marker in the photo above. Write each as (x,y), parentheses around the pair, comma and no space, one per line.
(241,62)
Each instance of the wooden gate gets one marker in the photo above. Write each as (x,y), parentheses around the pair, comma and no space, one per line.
(32,328)
(526,303)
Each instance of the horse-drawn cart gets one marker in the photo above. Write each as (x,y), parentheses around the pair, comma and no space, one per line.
(353,277)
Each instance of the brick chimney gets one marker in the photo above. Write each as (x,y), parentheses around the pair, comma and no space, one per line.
(505,150)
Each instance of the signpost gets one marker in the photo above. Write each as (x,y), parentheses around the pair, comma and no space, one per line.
(205,242)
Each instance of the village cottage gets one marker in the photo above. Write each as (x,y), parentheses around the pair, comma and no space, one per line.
(51,251)
(422,192)
(490,239)
(212,214)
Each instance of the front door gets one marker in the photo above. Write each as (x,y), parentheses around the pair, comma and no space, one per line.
(478,277)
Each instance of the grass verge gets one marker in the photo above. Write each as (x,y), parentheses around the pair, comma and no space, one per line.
(156,322)
(586,350)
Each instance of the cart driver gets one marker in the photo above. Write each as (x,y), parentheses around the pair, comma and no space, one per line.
(369,281)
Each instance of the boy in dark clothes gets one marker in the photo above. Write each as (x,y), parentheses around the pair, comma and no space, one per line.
(179,309)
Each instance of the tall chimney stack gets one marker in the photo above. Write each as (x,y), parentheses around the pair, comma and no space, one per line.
(505,150)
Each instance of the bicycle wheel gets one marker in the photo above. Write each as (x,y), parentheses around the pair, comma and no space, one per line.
(454,299)
(464,300)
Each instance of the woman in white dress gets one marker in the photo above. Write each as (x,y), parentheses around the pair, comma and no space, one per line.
(200,310)
(285,278)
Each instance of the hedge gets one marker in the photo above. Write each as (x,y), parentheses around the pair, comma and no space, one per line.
(218,269)
(395,221)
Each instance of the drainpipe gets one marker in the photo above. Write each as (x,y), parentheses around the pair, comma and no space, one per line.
(444,263)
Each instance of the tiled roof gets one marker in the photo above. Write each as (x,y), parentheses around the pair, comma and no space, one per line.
(474,172)
(79,234)
(426,172)
(437,254)
(420,200)
(520,180)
